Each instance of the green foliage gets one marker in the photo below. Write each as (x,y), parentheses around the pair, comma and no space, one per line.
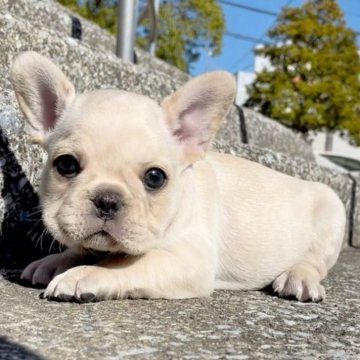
(314,83)
(185,27)
(102,12)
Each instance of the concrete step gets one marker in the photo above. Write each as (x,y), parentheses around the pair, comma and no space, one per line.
(228,325)
(50,16)
(88,69)
(54,19)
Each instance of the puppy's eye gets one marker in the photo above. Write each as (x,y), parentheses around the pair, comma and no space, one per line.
(154,178)
(67,166)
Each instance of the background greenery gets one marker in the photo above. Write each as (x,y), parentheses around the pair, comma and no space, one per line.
(314,80)
(313,83)
(185,26)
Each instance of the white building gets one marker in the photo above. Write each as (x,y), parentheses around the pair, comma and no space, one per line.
(245,78)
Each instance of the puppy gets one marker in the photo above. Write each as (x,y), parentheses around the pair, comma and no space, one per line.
(134,179)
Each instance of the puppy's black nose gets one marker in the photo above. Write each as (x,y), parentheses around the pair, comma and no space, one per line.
(107,205)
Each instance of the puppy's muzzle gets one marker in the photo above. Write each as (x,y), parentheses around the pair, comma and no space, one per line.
(107,205)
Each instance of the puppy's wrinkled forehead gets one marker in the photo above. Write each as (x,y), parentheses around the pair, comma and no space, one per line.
(113,123)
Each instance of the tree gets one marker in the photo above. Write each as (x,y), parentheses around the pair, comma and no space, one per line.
(102,12)
(314,80)
(185,26)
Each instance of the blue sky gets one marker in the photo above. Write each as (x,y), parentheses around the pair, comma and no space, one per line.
(237,54)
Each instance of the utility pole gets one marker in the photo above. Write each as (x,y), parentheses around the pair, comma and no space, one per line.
(329,141)
(126,29)
(155,17)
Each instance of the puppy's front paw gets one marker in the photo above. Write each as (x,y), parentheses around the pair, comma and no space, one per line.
(40,272)
(302,282)
(83,284)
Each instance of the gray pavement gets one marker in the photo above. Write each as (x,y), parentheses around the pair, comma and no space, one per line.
(229,325)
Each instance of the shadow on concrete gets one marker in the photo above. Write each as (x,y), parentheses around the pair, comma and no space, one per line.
(23,235)
(10,350)
(268,290)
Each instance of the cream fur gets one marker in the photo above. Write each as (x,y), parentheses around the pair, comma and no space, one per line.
(219,221)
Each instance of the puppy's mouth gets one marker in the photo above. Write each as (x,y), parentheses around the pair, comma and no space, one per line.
(100,240)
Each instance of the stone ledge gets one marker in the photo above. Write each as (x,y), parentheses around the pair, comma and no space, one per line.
(52,18)
(49,15)
(88,70)
(229,325)
(269,134)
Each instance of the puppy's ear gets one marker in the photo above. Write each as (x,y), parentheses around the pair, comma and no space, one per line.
(43,92)
(194,113)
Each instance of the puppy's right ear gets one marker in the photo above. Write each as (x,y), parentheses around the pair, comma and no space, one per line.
(43,92)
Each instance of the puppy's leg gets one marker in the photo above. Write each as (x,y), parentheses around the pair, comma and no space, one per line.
(179,272)
(41,272)
(303,279)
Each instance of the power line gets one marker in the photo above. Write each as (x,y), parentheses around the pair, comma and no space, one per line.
(240,60)
(264,11)
(253,39)
(259,40)
(241,36)
(249,8)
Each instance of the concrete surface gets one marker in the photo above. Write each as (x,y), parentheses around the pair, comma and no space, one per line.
(44,25)
(229,325)
(50,16)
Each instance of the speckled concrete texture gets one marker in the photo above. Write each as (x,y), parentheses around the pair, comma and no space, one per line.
(55,20)
(87,69)
(50,16)
(268,134)
(229,325)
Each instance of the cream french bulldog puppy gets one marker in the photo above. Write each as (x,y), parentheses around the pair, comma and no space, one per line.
(132,178)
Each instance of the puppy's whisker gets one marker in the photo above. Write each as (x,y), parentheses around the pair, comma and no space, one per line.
(91,251)
(52,244)
(34,226)
(41,238)
(35,212)
(37,238)
(61,246)
(78,214)
(37,207)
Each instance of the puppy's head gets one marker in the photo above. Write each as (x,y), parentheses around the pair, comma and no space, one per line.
(112,181)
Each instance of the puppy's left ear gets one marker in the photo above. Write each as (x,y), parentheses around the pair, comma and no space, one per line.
(194,113)
(43,92)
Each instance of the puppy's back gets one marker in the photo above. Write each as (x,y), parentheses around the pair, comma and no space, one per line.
(271,220)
